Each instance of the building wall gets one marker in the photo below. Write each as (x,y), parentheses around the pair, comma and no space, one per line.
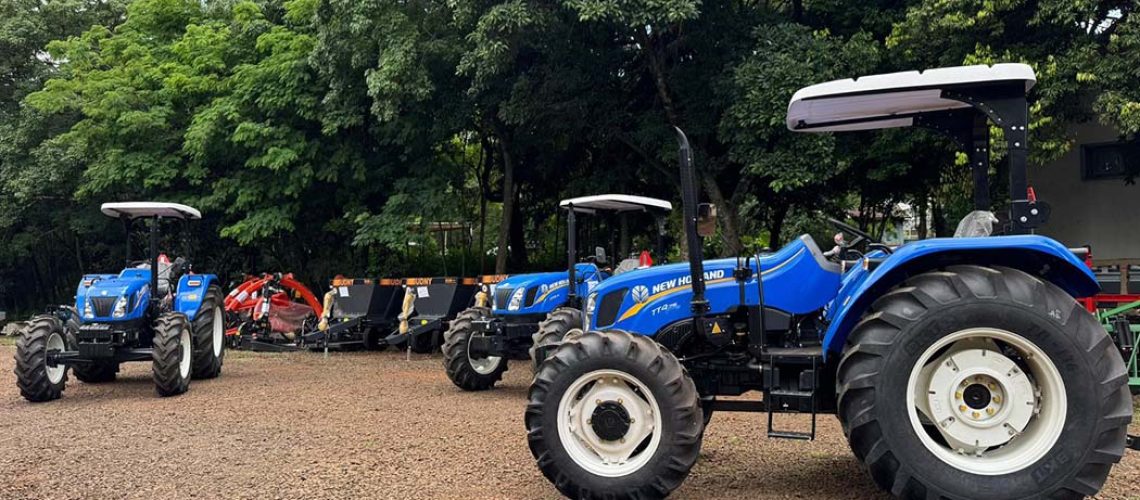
(1102,213)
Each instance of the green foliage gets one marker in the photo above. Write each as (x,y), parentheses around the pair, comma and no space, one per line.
(325,136)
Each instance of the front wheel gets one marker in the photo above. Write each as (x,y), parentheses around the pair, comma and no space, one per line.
(983,382)
(613,414)
(38,381)
(171,354)
(551,331)
(209,336)
(465,372)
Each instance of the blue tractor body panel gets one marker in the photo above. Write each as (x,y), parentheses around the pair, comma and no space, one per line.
(1037,255)
(540,293)
(191,292)
(797,280)
(100,294)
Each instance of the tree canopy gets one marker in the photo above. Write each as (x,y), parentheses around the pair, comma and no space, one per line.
(332,137)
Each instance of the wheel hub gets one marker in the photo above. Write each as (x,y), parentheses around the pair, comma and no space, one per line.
(987,401)
(977,396)
(610,421)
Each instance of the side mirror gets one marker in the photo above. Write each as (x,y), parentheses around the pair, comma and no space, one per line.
(600,255)
(706,219)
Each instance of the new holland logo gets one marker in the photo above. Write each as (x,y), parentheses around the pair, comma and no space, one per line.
(640,293)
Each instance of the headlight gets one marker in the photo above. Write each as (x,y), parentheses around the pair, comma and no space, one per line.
(591,303)
(120,307)
(88,312)
(516,299)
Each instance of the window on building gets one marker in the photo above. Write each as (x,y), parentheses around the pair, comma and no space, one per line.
(1110,160)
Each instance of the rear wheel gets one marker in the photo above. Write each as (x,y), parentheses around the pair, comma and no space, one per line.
(983,382)
(95,372)
(172,354)
(467,373)
(39,382)
(551,331)
(209,336)
(613,414)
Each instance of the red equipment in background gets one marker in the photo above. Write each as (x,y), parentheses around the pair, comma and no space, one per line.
(262,312)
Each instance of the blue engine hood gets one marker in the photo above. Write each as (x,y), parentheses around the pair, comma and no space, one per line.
(101,288)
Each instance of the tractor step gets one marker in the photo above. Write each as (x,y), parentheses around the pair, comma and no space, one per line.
(805,360)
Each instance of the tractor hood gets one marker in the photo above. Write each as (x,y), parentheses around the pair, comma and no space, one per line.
(98,296)
(540,293)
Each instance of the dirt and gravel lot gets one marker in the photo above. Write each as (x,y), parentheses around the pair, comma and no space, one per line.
(359,426)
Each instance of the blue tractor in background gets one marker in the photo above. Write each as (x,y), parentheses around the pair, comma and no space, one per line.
(155,310)
(958,367)
(530,311)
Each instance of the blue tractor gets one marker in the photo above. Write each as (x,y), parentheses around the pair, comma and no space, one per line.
(531,311)
(958,367)
(155,310)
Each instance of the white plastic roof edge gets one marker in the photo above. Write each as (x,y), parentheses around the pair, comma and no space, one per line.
(616,203)
(876,100)
(134,209)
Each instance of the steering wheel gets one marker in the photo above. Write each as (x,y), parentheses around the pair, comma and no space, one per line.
(860,237)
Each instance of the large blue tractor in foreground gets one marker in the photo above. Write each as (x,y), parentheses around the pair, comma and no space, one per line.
(958,367)
(531,311)
(155,310)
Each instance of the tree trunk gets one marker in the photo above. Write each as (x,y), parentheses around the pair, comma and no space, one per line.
(727,217)
(519,257)
(922,204)
(779,215)
(484,178)
(508,205)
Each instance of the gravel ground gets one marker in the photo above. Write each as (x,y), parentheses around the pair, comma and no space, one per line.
(360,426)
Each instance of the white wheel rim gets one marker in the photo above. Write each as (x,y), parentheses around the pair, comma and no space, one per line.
(609,458)
(55,343)
(483,366)
(218,331)
(184,363)
(992,416)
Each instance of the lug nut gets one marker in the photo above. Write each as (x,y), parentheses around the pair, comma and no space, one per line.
(963,408)
(990,411)
(958,395)
(992,386)
(997,400)
(977,415)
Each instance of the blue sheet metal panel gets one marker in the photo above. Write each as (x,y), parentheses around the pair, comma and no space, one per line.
(1035,254)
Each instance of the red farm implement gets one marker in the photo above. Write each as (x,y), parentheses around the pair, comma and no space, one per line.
(270,312)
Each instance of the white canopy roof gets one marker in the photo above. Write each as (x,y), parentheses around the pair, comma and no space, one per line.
(890,100)
(616,203)
(134,209)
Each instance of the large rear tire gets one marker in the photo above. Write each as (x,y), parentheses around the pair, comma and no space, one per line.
(983,382)
(466,373)
(209,335)
(613,415)
(552,330)
(172,354)
(37,381)
(96,372)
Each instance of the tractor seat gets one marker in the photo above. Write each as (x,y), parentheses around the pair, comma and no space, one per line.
(627,265)
(165,270)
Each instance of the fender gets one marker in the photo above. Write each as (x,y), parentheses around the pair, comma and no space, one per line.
(191,292)
(1037,255)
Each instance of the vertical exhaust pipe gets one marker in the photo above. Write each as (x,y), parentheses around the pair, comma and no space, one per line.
(698,304)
